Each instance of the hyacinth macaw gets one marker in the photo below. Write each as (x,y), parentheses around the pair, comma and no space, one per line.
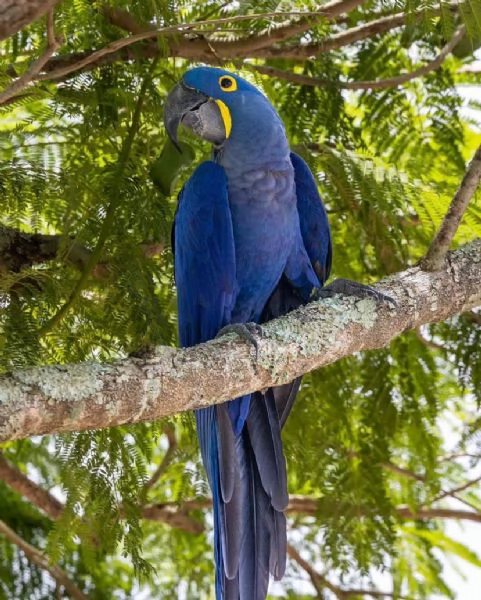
(251,242)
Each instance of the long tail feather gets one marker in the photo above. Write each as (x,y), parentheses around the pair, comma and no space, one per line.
(247,474)
(265,439)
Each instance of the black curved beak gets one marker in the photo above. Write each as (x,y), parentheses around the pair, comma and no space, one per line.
(195,110)
(181,100)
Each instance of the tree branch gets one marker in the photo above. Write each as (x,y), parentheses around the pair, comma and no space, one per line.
(177,44)
(15,14)
(304,20)
(320,582)
(355,34)
(317,579)
(436,254)
(299,505)
(53,44)
(453,492)
(86,396)
(19,249)
(166,460)
(19,482)
(368,85)
(38,558)
(174,516)
(427,342)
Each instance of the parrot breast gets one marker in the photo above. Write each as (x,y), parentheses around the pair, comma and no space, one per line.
(262,199)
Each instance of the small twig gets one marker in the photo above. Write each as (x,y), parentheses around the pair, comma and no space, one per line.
(428,343)
(320,581)
(51,39)
(393,467)
(35,556)
(317,579)
(166,460)
(390,466)
(456,455)
(53,44)
(367,85)
(453,492)
(473,316)
(436,254)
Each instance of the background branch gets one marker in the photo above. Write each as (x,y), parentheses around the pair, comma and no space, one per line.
(19,482)
(15,14)
(38,558)
(200,48)
(169,431)
(366,85)
(19,249)
(437,251)
(53,44)
(318,580)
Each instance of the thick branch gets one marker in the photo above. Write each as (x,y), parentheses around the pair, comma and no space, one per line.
(36,557)
(15,14)
(19,249)
(177,44)
(440,245)
(87,396)
(303,21)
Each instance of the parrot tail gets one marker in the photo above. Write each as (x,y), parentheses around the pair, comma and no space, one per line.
(247,474)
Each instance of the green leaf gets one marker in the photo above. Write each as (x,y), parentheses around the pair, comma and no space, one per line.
(166,169)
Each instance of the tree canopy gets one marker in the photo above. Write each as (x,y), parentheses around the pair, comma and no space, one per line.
(382,446)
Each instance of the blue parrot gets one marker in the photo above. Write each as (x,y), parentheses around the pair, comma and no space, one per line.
(251,242)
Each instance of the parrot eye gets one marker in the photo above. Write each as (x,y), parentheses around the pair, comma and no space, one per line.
(228,83)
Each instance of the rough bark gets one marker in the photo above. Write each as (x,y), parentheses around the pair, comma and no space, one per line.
(86,396)
(15,14)
(142,45)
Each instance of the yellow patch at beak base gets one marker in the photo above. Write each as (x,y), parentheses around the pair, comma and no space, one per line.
(226,118)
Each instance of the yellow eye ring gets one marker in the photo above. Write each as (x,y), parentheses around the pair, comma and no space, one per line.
(227,83)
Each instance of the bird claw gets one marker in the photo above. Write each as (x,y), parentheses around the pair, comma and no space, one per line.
(246,331)
(353,288)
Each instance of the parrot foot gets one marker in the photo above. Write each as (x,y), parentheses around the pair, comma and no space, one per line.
(353,288)
(246,331)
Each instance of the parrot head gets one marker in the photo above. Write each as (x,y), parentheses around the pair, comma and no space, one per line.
(209,101)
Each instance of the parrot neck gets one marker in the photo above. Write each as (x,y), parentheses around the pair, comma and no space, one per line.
(257,140)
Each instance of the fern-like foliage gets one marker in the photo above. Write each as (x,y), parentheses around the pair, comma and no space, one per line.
(367,441)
